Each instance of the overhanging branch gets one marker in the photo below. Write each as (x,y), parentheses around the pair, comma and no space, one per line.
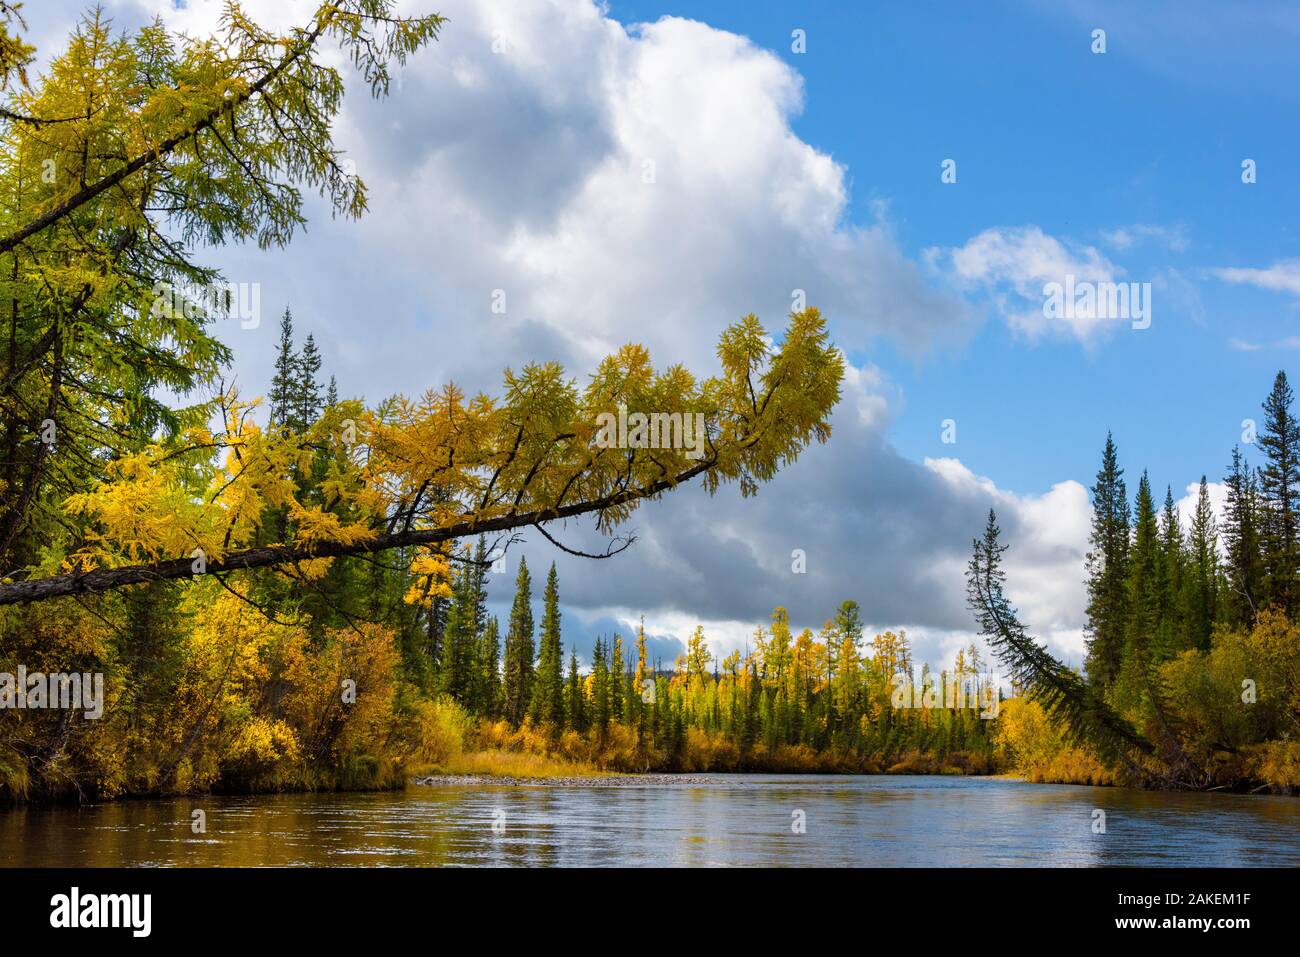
(108,579)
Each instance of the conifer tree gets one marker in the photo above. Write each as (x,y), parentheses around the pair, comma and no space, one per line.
(306,392)
(435,625)
(548,691)
(478,586)
(459,674)
(616,679)
(642,673)
(1107,566)
(575,712)
(490,677)
(1170,579)
(518,679)
(1079,707)
(600,691)
(848,630)
(750,721)
(1143,601)
(452,676)
(284,382)
(1280,492)
(1202,571)
(1241,537)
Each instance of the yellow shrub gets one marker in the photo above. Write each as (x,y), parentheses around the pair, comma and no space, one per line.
(1038,751)
(1278,765)
(443,727)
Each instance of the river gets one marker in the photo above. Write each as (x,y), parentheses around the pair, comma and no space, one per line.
(777,820)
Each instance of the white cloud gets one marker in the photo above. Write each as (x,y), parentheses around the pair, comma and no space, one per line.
(1015,263)
(1244,345)
(1282,276)
(892,534)
(1174,238)
(1045,561)
(524,171)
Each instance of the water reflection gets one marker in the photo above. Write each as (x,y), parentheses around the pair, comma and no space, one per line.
(728,820)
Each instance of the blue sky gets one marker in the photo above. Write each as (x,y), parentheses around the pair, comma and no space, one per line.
(1044,131)
(512,155)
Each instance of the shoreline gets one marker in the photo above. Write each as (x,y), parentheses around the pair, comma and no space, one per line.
(626,779)
(613,779)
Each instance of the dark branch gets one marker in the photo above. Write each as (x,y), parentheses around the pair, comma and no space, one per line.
(107,579)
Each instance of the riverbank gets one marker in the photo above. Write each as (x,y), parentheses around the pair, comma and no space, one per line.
(566,781)
(540,764)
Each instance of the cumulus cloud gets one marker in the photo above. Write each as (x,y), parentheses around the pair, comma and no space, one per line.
(644,183)
(606,183)
(873,526)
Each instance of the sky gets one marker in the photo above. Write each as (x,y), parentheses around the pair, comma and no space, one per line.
(651,171)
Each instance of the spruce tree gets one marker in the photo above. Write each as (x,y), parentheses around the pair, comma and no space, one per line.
(1280,492)
(1170,580)
(306,393)
(617,678)
(848,629)
(460,639)
(749,718)
(1202,571)
(478,586)
(1241,538)
(435,625)
(518,679)
(600,690)
(548,691)
(490,693)
(575,712)
(332,394)
(462,653)
(1107,566)
(642,674)
(284,382)
(452,676)
(1143,601)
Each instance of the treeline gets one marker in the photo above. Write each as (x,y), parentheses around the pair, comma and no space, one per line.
(793,701)
(1192,633)
(812,700)
(354,671)
(268,597)
(1156,589)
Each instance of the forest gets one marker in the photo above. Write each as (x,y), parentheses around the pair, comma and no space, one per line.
(372,667)
(292,593)
(1192,675)
(253,580)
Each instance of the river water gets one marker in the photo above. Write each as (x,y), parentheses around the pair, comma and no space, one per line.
(774,820)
